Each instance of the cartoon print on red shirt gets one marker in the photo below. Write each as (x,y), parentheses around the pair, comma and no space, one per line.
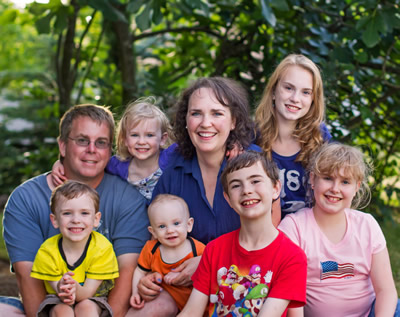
(240,294)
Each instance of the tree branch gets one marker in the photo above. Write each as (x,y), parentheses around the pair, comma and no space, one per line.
(176,30)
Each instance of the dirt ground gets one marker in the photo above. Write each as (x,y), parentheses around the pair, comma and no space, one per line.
(8,282)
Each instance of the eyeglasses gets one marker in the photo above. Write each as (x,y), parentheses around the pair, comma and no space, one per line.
(99,143)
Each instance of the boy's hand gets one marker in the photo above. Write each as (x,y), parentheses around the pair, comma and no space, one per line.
(67,289)
(149,286)
(136,301)
(57,174)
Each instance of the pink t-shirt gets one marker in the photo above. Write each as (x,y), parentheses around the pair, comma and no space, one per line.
(338,281)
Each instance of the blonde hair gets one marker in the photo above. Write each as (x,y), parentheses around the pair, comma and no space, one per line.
(307,130)
(332,157)
(135,112)
(160,198)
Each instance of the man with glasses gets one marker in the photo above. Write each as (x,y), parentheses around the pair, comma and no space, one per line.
(85,143)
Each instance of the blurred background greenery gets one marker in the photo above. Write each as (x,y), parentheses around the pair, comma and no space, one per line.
(60,53)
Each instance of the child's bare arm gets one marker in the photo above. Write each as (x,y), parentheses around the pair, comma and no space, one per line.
(195,305)
(273,307)
(88,289)
(382,281)
(136,301)
(295,312)
(57,173)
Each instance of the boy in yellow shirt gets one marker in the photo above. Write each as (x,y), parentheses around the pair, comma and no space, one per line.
(78,265)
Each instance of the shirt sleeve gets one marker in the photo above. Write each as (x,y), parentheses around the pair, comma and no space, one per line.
(144,261)
(23,234)
(103,264)
(46,267)
(377,238)
(129,219)
(202,277)
(291,281)
(326,135)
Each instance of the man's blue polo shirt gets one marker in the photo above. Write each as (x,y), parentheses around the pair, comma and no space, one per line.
(183,178)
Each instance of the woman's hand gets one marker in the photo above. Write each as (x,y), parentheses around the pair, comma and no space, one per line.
(185,270)
(149,286)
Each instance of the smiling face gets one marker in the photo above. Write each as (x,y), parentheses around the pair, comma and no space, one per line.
(75,218)
(86,163)
(293,94)
(208,122)
(333,193)
(144,139)
(250,191)
(170,222)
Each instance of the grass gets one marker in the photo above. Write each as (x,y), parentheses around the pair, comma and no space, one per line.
(3,251)
(391,231)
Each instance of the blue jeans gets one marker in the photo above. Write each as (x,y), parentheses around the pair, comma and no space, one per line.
(12,301)
(396,313)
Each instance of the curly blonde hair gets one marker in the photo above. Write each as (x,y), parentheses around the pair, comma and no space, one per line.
(141,109)
(307,130)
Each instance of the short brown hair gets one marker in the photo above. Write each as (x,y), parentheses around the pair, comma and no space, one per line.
(73,189)
(99,114)
(247,159)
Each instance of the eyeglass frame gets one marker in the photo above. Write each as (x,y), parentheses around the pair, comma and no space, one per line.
(88,141)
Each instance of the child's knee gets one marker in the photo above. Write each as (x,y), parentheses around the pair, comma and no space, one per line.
(87,307)
(63,310)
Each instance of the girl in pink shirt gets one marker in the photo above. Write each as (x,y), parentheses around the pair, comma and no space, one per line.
(349,271)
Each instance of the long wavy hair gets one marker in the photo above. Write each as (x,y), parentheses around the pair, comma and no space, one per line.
(229,93)
(307,130)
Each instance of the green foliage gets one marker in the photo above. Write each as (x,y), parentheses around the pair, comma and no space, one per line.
(108,52)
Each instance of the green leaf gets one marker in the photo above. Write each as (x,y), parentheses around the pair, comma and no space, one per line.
(362,22)
(267,12)
(280,5)
(371,36)
(143,19)
(61,20)
(8,16)
(157,15)
(110,13)
(134,6)
(43,24)
(362,57)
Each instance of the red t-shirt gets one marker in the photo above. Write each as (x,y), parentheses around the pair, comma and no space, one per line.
(237,280)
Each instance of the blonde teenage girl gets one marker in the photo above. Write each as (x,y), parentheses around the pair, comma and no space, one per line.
(349,271)
(290,122)
(141,135)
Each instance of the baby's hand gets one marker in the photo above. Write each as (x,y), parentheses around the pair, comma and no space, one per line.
(136,301)
(57,173)
(170,277)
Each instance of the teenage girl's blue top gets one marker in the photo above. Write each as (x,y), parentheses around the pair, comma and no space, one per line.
(294,180)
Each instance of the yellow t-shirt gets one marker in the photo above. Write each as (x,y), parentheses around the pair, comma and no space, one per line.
(97,262)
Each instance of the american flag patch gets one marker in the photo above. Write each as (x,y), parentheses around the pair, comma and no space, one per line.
(332,269)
